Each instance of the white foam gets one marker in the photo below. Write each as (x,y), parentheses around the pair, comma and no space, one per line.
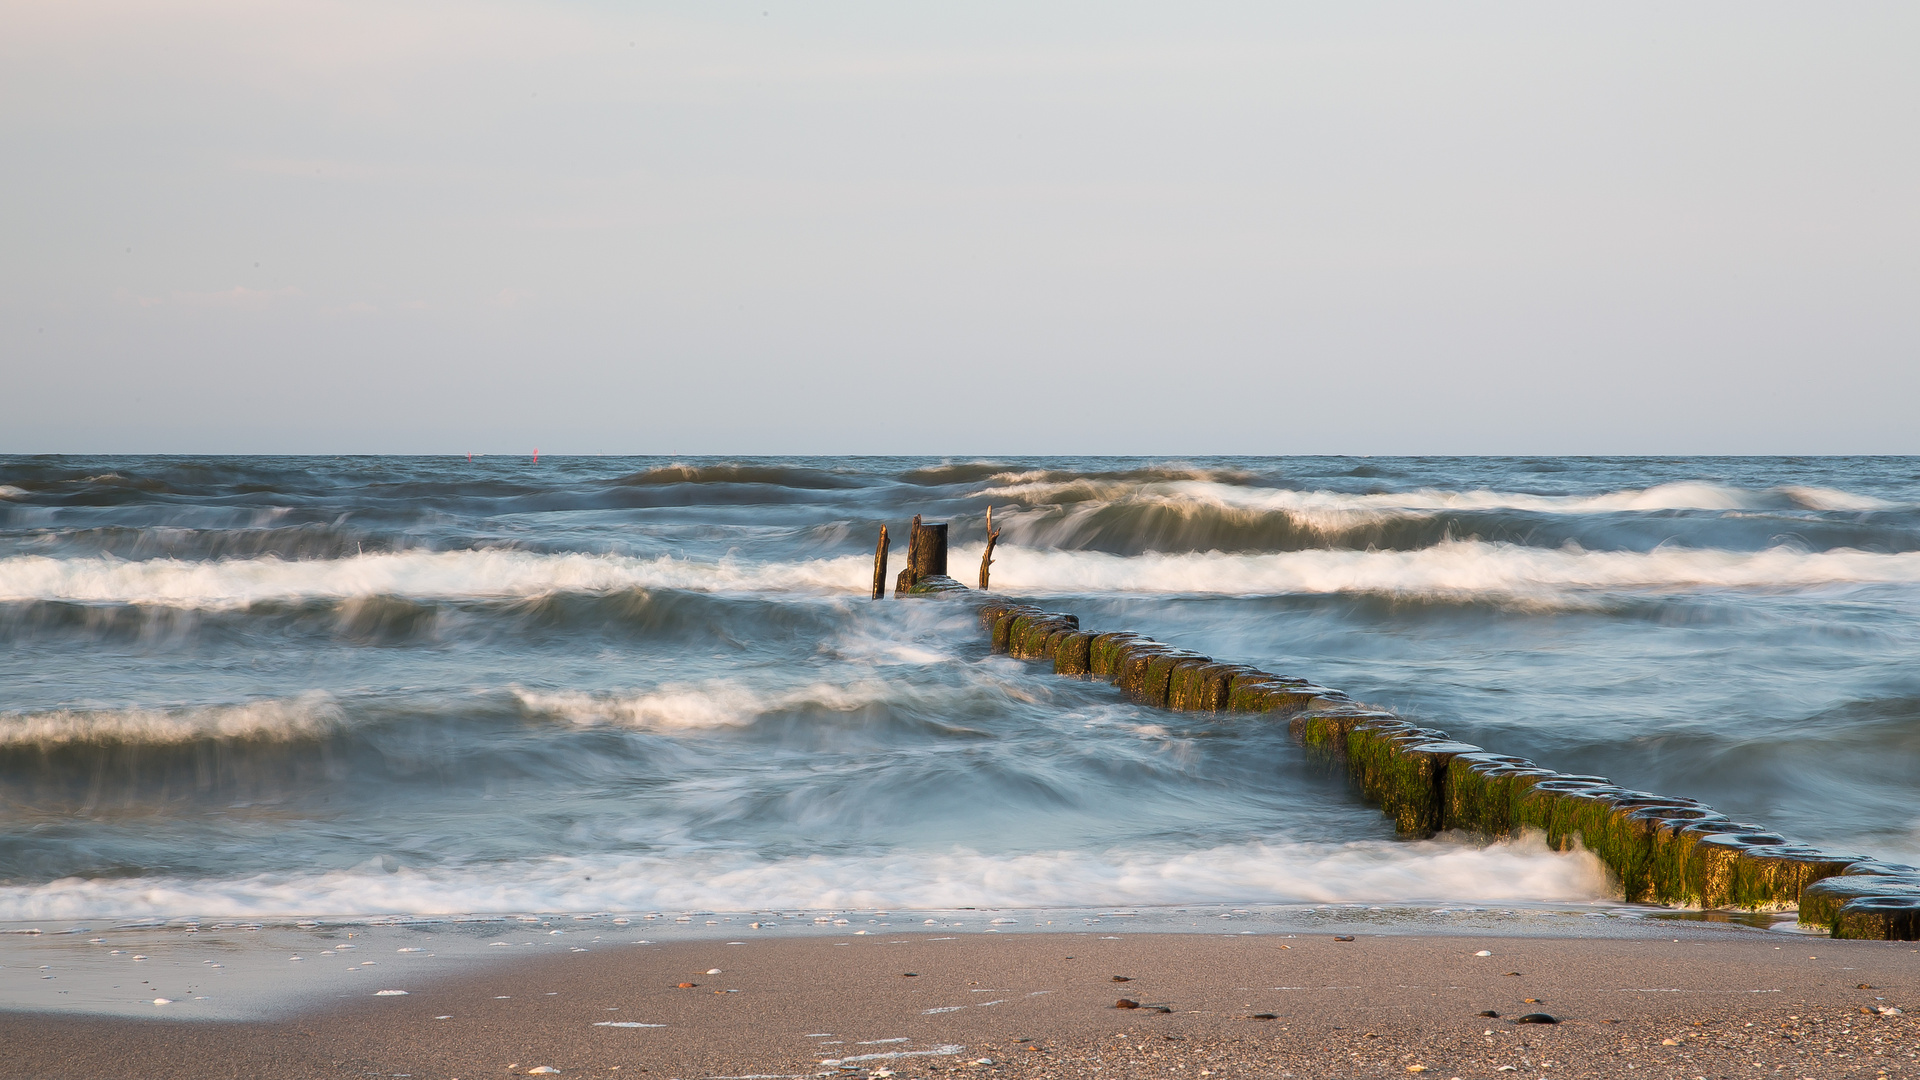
(1334,511)
(1459,568)
(1373,871)
(8,491)
(685,706)
(307,716)
(428,575)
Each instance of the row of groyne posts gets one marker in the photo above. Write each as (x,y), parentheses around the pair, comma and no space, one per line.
(1661,849)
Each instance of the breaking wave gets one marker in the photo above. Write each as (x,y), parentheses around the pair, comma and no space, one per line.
(1454,569)
(238,583)
(311,715)
(1370,871)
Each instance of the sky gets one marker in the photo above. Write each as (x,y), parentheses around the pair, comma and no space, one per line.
(236,226)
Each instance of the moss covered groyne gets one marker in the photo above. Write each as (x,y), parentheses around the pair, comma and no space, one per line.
(1662,850)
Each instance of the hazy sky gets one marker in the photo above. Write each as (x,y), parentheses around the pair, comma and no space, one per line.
(980,228)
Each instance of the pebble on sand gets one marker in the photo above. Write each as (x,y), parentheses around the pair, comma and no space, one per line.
(389,993)
(1535,1018)
(1343,937)
(1122,978)
(1484,952)
(163,1001)
(540,1070)
(1126,1003)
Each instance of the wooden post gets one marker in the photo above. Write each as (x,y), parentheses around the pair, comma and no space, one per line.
(926,555)
(931,558)
(986,560)
(880,566)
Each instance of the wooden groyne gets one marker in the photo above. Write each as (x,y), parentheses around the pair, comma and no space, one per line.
(1661,849)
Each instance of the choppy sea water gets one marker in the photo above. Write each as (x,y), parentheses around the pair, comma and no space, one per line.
(320,687)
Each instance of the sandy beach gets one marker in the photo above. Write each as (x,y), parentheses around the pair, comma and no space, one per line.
(1689,1003)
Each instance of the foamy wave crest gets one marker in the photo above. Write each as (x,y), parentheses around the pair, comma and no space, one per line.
(238,583)
(1459,568)
(1333,511)
(8,491)
(307,716)
(1372,871)
(684,706)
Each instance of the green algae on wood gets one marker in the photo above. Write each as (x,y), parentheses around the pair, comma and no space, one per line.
(1879,918)
(1821,901)
(1070,652)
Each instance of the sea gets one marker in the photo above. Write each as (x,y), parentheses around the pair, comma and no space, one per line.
(304,688)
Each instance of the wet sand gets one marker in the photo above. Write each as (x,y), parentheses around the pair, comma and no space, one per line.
(1713,1003)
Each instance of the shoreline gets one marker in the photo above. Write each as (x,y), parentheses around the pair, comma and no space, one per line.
(1042,1004)
(934,1004)
(245,969)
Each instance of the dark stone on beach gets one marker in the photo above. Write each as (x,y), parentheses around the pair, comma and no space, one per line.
(1488,1012)
(1535,1018)
(1126,1003)
(1264,1016)
(1343,937)
(1122,978)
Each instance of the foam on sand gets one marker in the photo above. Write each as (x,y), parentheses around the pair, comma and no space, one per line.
(1370,871)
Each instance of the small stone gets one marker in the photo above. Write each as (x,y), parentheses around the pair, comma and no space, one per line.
(1416,1068)
(1483,952)
(1343,937)
(713,971)
(542,1070)
(1669,1042)
(1264,1016)
(688,986)
(909,974)
(1513,973)
(1122,978)
(1126,1003)
(163,1001)
(1488,1012)
(1535,1018)
(1531,1001)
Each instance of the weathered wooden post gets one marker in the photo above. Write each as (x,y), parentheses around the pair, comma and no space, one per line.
(880,566)
(926,556)
(986,560)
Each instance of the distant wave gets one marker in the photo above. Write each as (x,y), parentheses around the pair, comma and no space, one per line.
(1369,871)
(1338,510)
(1457,569)
(1199,515)
(771,475)
(1039,479)
(311,715)
(238,583)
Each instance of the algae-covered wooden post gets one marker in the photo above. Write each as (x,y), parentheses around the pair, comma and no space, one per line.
(986,560)
(880,566)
